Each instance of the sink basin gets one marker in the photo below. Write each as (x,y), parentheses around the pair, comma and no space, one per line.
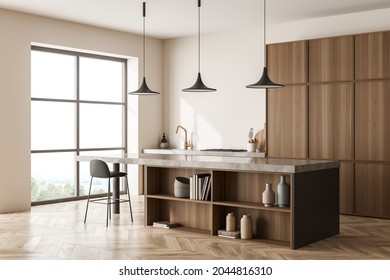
(224,150)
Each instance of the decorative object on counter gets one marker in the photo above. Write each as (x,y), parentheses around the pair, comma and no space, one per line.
(246,227)
(199,86)
(181,187)
(230,222)
(229,234)
(283,190)
(264,82)
(144,89)
(164,142)
(251,145)
(260,138)
(268,196)
(165,224)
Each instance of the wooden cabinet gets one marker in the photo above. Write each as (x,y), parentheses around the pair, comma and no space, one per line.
(347,188)
(287,62)
(313,213)
(331,127)
(331,59)
(372,56)
(287,122)
(372,189)
(342,112)
(372,121)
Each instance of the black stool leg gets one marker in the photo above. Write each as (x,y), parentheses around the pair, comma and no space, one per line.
(89,193)
(128,195)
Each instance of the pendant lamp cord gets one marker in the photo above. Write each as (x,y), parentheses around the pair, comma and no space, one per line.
(264,33)
(143,37)
(199,4)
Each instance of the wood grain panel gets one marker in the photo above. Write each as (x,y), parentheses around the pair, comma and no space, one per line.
(347,188)
(372,121)
(372,56)
(372,189)
(287,62)
(190,215)
(287,122)
(331,59)
(331,122)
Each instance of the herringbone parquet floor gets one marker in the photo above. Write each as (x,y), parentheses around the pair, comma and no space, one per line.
(57,231)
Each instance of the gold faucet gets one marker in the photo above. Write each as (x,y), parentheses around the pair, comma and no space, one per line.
(187,143)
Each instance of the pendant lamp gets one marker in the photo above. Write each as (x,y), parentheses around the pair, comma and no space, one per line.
(144,89)
(199,86)
(264,82)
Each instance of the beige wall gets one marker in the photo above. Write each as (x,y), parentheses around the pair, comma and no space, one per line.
(17,32)
(231,60)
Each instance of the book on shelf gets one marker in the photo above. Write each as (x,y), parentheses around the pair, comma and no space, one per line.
(229,234)
(165,224)
(200,186)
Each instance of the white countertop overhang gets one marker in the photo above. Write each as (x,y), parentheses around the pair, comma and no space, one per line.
(252,164)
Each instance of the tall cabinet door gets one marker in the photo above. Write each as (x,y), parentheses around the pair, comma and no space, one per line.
(287,107)
(372,121)
(372,189)
(331,59)
(287,62)
(331,121)
(372,56)
(287,123)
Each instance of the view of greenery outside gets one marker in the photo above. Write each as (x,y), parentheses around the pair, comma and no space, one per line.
(47,190)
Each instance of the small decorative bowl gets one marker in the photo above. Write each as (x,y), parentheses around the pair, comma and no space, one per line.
(181,187)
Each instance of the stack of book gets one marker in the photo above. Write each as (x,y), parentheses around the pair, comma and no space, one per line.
(200,185)
(165,224)
(229,234)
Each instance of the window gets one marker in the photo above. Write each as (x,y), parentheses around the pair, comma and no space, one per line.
(78,106)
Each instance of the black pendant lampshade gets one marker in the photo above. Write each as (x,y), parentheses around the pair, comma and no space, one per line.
(199,86)
(264,82)
(144,89)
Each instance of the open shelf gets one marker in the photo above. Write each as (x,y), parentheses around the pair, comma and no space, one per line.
(312,215)
(173,198)
(252,205)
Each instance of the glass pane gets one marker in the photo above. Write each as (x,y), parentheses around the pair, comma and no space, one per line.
(53,75)
(52,176)
(100,126)
(52,125)
(99,185)
(101,80)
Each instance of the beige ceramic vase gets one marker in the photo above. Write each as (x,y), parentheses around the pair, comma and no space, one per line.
(246,227)
(230,222)
(268,196)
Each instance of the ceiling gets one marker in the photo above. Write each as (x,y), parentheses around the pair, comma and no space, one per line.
(177,18)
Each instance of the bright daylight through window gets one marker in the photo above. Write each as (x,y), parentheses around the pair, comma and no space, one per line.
(78,107)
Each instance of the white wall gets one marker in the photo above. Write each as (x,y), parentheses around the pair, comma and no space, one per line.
(17,32)
(231,60)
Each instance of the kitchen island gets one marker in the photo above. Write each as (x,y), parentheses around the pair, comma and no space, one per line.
(237,184)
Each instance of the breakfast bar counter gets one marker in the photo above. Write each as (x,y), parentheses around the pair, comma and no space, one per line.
(237,184)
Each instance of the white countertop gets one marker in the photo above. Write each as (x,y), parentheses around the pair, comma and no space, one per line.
(254,164)
(203,153)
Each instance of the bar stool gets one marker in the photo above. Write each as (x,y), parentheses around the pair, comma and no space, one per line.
(99,169)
